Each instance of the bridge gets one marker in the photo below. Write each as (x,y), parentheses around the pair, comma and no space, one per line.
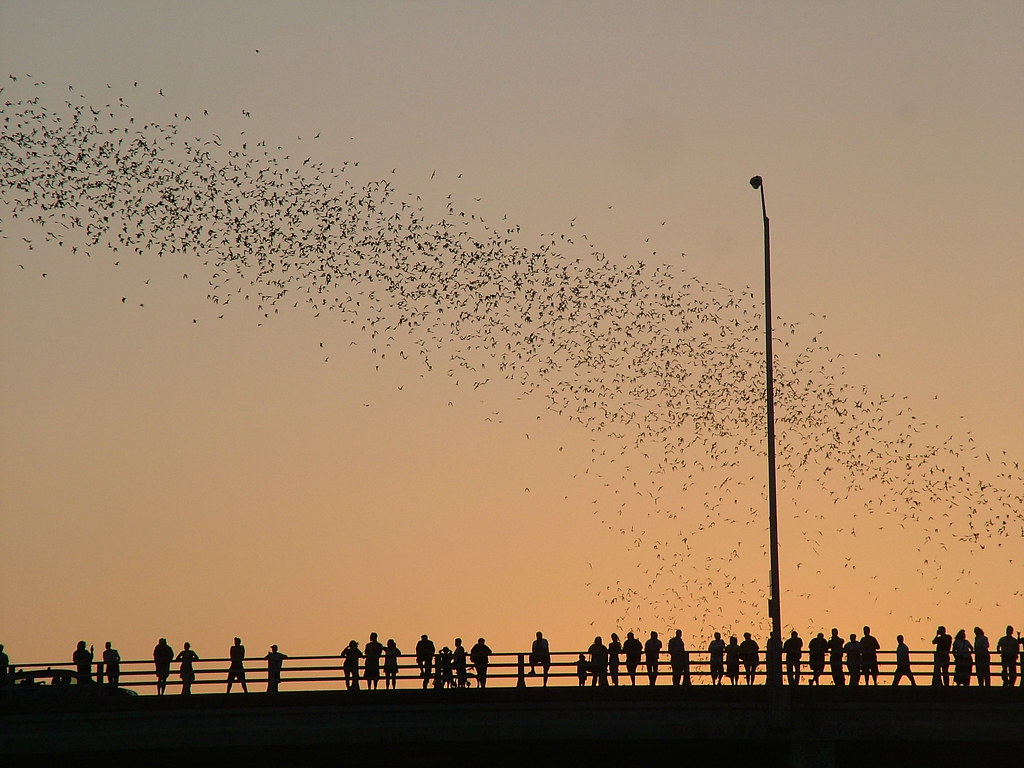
(518,722)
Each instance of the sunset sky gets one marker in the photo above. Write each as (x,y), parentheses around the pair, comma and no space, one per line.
(170,467)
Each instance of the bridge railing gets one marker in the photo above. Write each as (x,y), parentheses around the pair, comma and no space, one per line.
(504,670)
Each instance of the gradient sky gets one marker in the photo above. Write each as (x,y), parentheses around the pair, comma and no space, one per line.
(200,480)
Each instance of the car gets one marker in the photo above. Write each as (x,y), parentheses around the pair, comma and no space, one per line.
(57,683)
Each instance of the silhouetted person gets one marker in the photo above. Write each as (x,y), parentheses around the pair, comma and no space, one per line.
(614,657)
(982,658)
(186,671)
(391,656)
(902,662)
(163,655)
(633,650)
(869,648)
(773,657)
(5,667)
(652,655)
(816,650)
(716,653)
(460,664)
(853,659)
(540,653)
(793,649)
(1008,648)
(598,662)
(750,655)
(582,667)
(236,670)
(425,659)
(112,665)
(677,656)
(444,677)
(732,660)
(940,667)
(350,667)
(275,660)
(83,662)
(371,663)
(480,655)
(963,659)
(835,658)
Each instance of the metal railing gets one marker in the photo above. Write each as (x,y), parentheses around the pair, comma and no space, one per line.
(503,670)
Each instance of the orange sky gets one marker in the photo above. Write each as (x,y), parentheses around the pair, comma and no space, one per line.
(171,472)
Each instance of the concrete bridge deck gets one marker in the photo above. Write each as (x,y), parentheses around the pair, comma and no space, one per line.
(723,726)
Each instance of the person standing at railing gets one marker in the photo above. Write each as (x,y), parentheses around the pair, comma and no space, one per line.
(902,663)
(236,671)
(652,655)
(371,666)
(716,652)
(633,651)
(112,664)
(677,656)
(582,669)
(350,667)
(940,667)
(540,653)
(275,661)
(391,656)
(187,671)
(963,659)
(1008,648)
(614,655)
(816,650)
(793,649)
(5,667)
(163,655)
(869,647)
(83,662)
(982,658)
(480,655)
(598,663)
(854,659)
(750,655)
(460,664)
(732,660)
(835,658)
(425,659)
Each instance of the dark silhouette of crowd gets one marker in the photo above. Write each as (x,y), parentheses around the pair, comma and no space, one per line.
(956,660)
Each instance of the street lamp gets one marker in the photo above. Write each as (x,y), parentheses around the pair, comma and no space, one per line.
(774,675)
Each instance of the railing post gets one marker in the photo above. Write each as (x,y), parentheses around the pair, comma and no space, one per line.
(521,681)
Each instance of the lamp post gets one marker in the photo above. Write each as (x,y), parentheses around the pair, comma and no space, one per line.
(774,676)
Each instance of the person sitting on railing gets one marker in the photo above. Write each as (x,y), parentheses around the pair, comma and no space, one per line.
(902,662)
(540,653)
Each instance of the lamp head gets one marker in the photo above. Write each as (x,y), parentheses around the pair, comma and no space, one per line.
(756,182)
